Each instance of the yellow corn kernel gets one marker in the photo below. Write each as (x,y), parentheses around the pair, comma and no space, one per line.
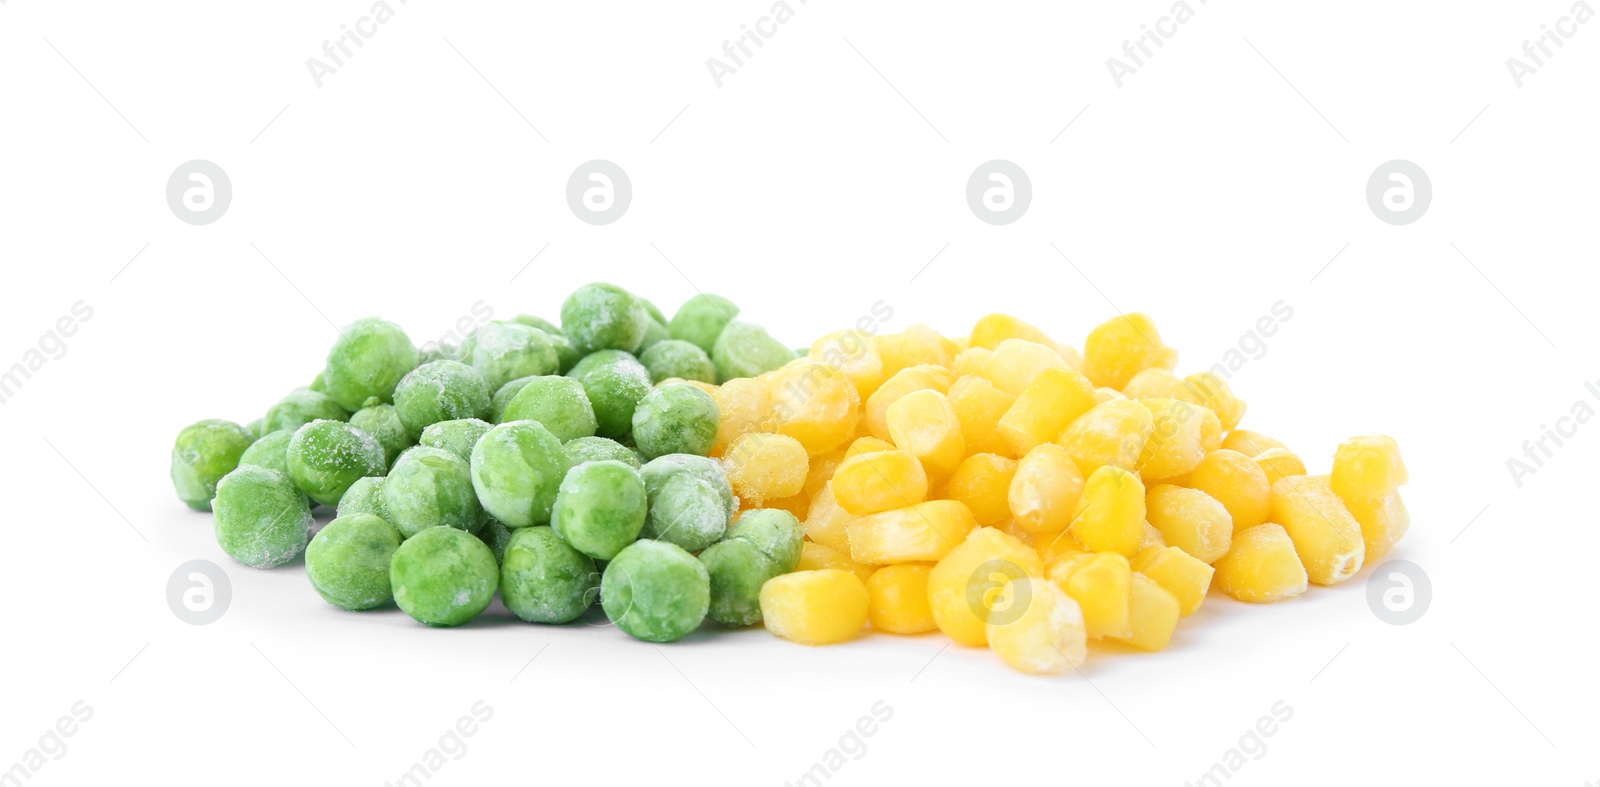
(812,403)
(855,354)
(742,406)
(1152,537)
(1326,537)
(1154,384)
(815,607)
(1016,362)
(1191,520)
(1208,389)
(1210,430)
(980,406)
(702,385)
(763,466)
(879,481)
(972,362)
(1250,443)
(1113,433)
(1383,523)
(1153,614)
(993,329)
(915,346)
(799,504)
(1044,409)
(925,531)
(1368,468)
(1044,491)
(958,587)
(924,423)
(983,481)
(821,471)
(1103,395)
(826,521)
(1183,575)
(1053,545)
(1238,483)
(1279,463)
(1262,566)
(1173,447)
(815,556)
(899,599)
(1123,346)
(1047,636)
(1110,514)
(1100,583)
(916,378)
(866,445)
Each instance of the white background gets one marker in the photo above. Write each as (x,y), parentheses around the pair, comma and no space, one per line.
(819,179)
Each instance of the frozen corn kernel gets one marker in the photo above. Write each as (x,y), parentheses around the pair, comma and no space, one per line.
(1261,567)
(1279,463)
(980,407)
(742,406)
(763,466)
(879,481)
(924,423)
(1154,384)
(1103,395)
(1152,537)
(1209,389)
(1153,614)
(983,481)
(815,556)
(915,346)
(813,403)
(1053,545)
(826,521)
(1044,491)
(1210,430)
(960,586)
(1383,522)
(815,607)
(1238,483)
(866,445)
(798,504)
(1048,636)
(1100,583)
(1368,468)
(925,531)
(1174,445)
(1110,514)
(1250,443)
(855,354)
(1183,575)
(1044,408)
(993,329)
(899,599)
(1191,520)
(821,470)
(1016,362)
(1326,537)
(1113,433)
(972,362)
(875,416)
(1123,346)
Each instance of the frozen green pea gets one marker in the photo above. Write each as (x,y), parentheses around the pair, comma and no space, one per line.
(655,591)
(496,535)
(438,351)
(680,359)
(565,352)
(261,519)
(254,428)
(440,391)
(348,561)
(318,384)
(654,333)
(443,576)
(595,449)
(559,403)
(458,437)
(614,390)
(600,508)
(517,469)
(687,511)
(657,471)
(746,350)
(700,320)
(596,360)
(604,316)
(203,453)
(504,351)
(737,570)
(428,487)
(383,423)
(544,580)
(365,496)
(503,397)
(271,451)
(652,310)
(368,360)
(675,418)
(326,457)
(301,407)
(773,531)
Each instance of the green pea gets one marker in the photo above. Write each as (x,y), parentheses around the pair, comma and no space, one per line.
(543,580)
(517,469)
(318,384)
(559,403)
(652,310)
(596,360)
(203,453)
(326,457)
(438,351)
(680,359)
(503,397)
(746,350)
(254,428)
(565,352)
(443,576)
(271,451)
(496,535)
(773,531)
(429,487)
(600,508)
(675,418)
(301,407)
(687,511)
(614,390)
(383,423)
(657,471)
(737,570)
(604,316)
(368,360)
(701,319)
(458,437)
(504,351)
(440,391)
(261,520)
(654,333)
(655,591)
(595,449)
(348,561)
(365,496)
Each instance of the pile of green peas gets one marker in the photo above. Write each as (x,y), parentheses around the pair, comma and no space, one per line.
(553,465)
